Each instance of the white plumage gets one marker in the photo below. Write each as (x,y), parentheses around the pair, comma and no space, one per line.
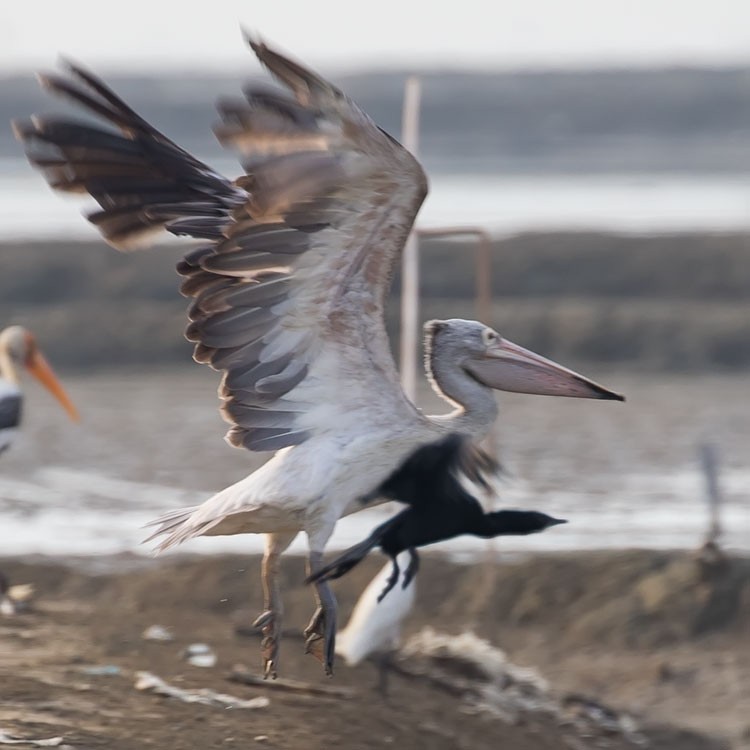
(375,627)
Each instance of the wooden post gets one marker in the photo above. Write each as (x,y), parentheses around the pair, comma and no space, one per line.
(410,258)
(710,464)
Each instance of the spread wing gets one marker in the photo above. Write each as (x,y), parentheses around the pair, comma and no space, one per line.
(288,295)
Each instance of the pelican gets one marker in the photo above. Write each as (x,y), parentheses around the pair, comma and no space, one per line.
(288,293)
(18,348)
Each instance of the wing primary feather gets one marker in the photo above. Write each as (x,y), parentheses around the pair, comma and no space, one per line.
(281,383)
(300,250)
(232,328)
(140,178)
(245,379)
(307,86)
(227,358)
(243,265)
(266,291)
(106,93)
(258,440)
(255,416)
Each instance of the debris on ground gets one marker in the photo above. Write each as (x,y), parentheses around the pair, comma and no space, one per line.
(200,655)
(15,599)
(157,633)
(101,670)
(148,682)
(11,739)
(470,667)
(244,676)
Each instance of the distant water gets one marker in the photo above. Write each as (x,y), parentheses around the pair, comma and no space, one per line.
(503,204)
(624,475)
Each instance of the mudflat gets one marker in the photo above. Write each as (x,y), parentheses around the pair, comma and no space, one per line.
(660,637)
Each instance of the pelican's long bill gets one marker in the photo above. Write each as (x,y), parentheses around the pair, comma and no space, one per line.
(509,367)
(38,366)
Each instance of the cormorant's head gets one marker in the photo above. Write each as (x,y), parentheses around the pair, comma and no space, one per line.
(518,522)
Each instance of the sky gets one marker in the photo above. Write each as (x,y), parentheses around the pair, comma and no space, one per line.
(350,35)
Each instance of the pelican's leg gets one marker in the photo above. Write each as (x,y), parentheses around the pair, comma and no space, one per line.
(273,608)
(320,634)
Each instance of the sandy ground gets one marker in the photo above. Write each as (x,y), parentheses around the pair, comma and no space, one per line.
(658,635)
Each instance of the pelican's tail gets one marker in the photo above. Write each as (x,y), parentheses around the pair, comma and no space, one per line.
(142,181)
(178,527)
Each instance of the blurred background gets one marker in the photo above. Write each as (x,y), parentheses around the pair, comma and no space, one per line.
(605,147)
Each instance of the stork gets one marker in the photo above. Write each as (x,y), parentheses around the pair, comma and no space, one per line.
(18,348)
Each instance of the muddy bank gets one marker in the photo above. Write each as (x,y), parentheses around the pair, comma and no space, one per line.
(657,636)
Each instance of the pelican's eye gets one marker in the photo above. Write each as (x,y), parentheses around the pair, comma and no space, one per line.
(489,337)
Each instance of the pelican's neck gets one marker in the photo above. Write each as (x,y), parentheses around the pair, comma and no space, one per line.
(476,408)
(7,369)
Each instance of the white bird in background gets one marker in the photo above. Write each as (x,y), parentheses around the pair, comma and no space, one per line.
(289,290)
(374,629)
(18,348)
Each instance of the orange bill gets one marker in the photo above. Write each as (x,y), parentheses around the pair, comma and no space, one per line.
(38,366)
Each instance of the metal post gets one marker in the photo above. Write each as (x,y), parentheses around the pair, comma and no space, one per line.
(482,264)
(483,279)
(410,258)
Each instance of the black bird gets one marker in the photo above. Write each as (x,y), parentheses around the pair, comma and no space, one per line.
(440,508)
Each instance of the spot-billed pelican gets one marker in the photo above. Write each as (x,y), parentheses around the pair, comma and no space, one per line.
(288,293)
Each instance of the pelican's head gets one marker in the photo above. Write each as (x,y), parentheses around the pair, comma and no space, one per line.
(498,363)
(20,348)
